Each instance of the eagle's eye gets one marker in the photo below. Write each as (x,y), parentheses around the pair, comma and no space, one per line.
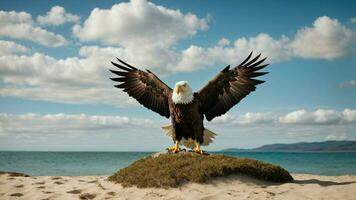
(184,84)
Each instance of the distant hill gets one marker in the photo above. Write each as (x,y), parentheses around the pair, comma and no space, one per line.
(304,146)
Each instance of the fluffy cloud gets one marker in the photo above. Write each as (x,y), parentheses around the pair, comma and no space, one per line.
(349,116)
(327,39)
(144,58)
(19,25)
(320,116)
(8,47)
(67,124)
(298,117)
(195,57)
(353,20)
(145,32)
(71,80)
(248,118)
(256,118)
(337,137)
(223,119)
(348,84)
(57,16)
(138,22)
(275,49)
(224,42)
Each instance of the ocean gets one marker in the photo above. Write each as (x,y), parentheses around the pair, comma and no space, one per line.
(106,163)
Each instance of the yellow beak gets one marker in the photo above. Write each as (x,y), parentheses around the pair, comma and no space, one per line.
(178,89)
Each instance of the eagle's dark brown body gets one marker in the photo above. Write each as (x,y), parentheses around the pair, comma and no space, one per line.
(187,121)
(227,89)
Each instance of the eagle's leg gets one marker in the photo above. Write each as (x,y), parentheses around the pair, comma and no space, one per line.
(197,148)
(175,148)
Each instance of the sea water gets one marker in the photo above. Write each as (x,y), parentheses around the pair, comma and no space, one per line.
(106,163)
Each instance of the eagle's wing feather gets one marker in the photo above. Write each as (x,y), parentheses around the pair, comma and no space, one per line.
(230,86)
(145,87)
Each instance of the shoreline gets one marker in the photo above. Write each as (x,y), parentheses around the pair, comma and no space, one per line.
(305,186)
(43,163)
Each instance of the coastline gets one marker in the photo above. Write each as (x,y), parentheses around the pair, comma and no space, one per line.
(305,186)
(105,163)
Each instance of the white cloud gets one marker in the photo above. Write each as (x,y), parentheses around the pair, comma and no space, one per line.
(137,23)
(145,32)
(348,84)
(353,20)
(70,80)
(195,57)
(256,118)
(248,118)
(320,116)
(327,39)
(223,42)
(57,16)
(19,25)
(336,136)
(144,58)
(8,47)
(223,119)
(298,117)
(275,50)
(349,116)
(25,125)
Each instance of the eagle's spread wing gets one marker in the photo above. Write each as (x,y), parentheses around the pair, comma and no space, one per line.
(145,87)
(230,86)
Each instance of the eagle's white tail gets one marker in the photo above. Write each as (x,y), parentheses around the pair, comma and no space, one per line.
(208,137)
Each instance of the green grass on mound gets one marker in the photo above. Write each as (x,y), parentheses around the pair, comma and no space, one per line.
(172,170)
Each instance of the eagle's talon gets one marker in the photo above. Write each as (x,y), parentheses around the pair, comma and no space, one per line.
(175,148)
(198,150)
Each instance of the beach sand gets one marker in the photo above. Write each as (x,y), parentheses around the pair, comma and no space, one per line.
(304,187)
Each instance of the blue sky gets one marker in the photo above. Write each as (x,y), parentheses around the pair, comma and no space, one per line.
(55,93)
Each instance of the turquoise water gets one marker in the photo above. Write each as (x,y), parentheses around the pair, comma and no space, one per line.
(105,163)
(322,163)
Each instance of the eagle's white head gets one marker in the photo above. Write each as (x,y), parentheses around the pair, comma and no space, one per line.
(182,93)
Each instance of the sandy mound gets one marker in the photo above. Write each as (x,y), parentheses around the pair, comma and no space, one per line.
(173,170)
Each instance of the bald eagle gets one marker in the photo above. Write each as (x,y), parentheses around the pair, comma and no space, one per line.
(185,107)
